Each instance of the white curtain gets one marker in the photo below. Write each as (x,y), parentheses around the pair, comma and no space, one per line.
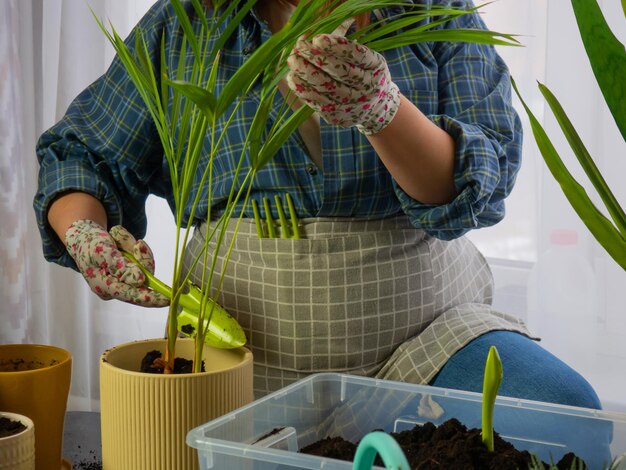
(50,50)
(581,314)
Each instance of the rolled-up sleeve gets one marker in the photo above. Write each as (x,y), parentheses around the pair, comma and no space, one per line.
(474,107)
(105,145)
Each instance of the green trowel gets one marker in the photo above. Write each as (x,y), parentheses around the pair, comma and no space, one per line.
(224,331)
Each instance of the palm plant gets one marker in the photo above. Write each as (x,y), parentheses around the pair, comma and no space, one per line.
(608,62)
(186,107)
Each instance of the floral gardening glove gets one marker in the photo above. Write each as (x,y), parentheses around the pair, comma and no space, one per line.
(347,83)
(109,274)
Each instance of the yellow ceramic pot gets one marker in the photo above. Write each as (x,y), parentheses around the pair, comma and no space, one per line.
(35,382)
(146,417)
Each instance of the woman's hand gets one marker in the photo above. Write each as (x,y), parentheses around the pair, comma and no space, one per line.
(109,274)
(347,83)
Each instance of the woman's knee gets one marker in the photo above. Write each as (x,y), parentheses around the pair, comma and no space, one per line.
(530,371)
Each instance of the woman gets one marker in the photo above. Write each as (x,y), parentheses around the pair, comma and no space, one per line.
(407,151)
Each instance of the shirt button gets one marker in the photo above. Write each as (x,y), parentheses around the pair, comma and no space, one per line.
(311,169)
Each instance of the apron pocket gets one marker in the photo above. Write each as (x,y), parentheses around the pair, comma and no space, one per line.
(336,303)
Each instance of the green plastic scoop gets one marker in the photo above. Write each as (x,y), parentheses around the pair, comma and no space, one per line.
(224,331)
(378,442)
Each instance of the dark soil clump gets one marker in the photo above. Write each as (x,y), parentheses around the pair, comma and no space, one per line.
(449,445)
(265,436)
(19,365)
(9,427)
(87,465)
(150,365)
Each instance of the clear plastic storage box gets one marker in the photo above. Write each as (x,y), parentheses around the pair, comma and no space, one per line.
(267,434)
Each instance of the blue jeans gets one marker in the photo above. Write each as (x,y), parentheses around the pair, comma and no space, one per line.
(532,373)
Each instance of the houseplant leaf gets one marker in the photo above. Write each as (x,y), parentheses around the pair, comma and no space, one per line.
(278,138)
(179,9)
(585,160)
(375,30)
(607,57)
(462,35)
(601,227)
(230,27)
(204,99)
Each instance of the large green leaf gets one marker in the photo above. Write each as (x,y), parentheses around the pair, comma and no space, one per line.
(251,69)
(201,13)
(606,55)
(232,24)
(600,226)
(409,37)
(587,163)
(378,30)
(183,18)
(288,127)
(204,99)
(258,126)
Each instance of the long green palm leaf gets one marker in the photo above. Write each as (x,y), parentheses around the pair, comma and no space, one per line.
(288,127)
(204,99)
(587,163)
(258,126)
(185,24)
(411,20)
(306,20)
(251,69)
(457,35)
(600,226)
(607,57)
(230,27)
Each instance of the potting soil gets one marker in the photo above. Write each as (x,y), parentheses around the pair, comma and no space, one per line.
(447,446)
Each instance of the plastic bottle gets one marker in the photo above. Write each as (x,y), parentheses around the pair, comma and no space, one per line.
(563,302)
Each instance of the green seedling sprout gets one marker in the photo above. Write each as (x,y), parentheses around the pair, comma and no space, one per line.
(191,119)
(577,464)
(491,384)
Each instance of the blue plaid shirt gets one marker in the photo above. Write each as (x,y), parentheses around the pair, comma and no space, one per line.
(107,145)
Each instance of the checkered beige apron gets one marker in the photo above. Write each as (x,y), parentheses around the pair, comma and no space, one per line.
(368,297)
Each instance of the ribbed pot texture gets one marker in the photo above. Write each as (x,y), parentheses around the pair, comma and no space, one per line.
(146,417)
(17,452)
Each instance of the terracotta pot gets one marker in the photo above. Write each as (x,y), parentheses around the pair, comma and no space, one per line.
(39,393)
(146,417)
(17,452)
